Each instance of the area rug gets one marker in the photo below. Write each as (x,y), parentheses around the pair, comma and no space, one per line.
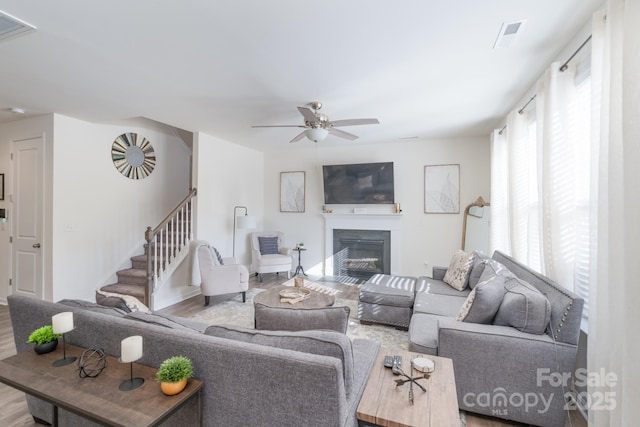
(235,312)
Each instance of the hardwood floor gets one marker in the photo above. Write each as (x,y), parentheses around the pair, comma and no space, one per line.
(14,408)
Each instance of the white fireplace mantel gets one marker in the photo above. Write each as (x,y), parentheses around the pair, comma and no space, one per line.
(355,221)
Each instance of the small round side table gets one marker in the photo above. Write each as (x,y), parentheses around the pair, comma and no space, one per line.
(299,267)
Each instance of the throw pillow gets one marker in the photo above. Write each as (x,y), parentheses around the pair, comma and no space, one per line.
(218,256)
(288,319)
(115,302)
(457,274)
(523,307)
(133,303)
(268,245)
(485,298)
(477,268)
(325,343)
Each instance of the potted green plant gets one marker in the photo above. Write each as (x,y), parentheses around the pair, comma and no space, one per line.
(173,374)
(44,339)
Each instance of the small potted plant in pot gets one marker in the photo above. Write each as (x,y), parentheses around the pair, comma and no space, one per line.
(44,339)
(173,374)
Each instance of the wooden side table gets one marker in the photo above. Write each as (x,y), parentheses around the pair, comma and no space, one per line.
(97,399)
(385,404)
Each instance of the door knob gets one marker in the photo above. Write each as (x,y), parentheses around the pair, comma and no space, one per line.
(36,245)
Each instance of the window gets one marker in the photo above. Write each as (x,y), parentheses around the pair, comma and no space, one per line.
(543,164)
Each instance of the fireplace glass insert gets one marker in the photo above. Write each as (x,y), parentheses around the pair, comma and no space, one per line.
(361,253)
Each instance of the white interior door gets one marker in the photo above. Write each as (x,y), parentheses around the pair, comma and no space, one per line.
(28,214)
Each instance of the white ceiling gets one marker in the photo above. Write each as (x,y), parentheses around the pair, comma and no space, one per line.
(424,68)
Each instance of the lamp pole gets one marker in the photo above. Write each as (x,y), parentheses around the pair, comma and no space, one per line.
(246,212)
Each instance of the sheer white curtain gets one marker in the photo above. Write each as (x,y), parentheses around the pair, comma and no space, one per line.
(541,179)
(613,344)
(564,163)
(500,232)
(514,196)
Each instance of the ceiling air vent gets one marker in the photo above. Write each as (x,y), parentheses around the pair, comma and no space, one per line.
(10,26)
(509,32)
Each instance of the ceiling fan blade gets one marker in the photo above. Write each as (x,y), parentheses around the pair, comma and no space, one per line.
(298,137)
(354,122)
(308,114)
(342,134)
(279,126)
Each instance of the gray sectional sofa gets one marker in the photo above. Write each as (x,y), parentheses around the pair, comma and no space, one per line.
(502,369)
(310,378)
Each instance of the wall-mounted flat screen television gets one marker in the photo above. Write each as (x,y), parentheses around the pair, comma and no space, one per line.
(362,183)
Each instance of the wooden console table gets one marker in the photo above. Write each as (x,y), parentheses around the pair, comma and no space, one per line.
(97,399)
(385,404)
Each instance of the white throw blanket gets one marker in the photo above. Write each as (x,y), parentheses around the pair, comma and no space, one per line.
(194,245)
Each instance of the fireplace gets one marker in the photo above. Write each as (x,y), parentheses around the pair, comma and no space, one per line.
(389,223)
(361,253)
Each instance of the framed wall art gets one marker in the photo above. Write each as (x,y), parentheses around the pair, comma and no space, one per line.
(292,191)
(1,186)
(442,189)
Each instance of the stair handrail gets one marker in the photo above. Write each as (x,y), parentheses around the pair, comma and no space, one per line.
(156,253)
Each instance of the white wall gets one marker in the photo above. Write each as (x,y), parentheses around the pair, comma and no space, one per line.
(94,217)
(226,175)
(425,237)
(100,216)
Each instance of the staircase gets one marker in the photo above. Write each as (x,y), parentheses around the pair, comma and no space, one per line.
(132,281)
(166,245)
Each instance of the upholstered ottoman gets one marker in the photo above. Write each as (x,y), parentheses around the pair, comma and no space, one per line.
(387,299)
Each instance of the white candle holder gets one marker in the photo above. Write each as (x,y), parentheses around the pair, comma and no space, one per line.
(62,323)
(130,351)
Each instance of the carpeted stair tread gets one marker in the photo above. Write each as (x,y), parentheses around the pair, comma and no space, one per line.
(140,262)
(118,288)
(132,276)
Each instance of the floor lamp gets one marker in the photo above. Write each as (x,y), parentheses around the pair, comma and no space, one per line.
(244,222)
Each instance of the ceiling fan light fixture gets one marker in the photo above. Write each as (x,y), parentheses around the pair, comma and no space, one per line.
(316,134)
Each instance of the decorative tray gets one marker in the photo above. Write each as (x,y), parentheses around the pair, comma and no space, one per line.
(295,293)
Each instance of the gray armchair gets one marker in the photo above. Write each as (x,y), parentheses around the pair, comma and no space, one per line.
(269,254)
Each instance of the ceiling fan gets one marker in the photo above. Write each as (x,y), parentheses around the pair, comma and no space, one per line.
(317,125)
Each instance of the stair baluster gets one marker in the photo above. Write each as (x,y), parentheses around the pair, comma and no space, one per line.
(166,241)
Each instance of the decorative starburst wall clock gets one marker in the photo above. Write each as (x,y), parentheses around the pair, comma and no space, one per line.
(133,155)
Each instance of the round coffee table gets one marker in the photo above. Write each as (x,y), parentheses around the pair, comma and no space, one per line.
(271,298)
